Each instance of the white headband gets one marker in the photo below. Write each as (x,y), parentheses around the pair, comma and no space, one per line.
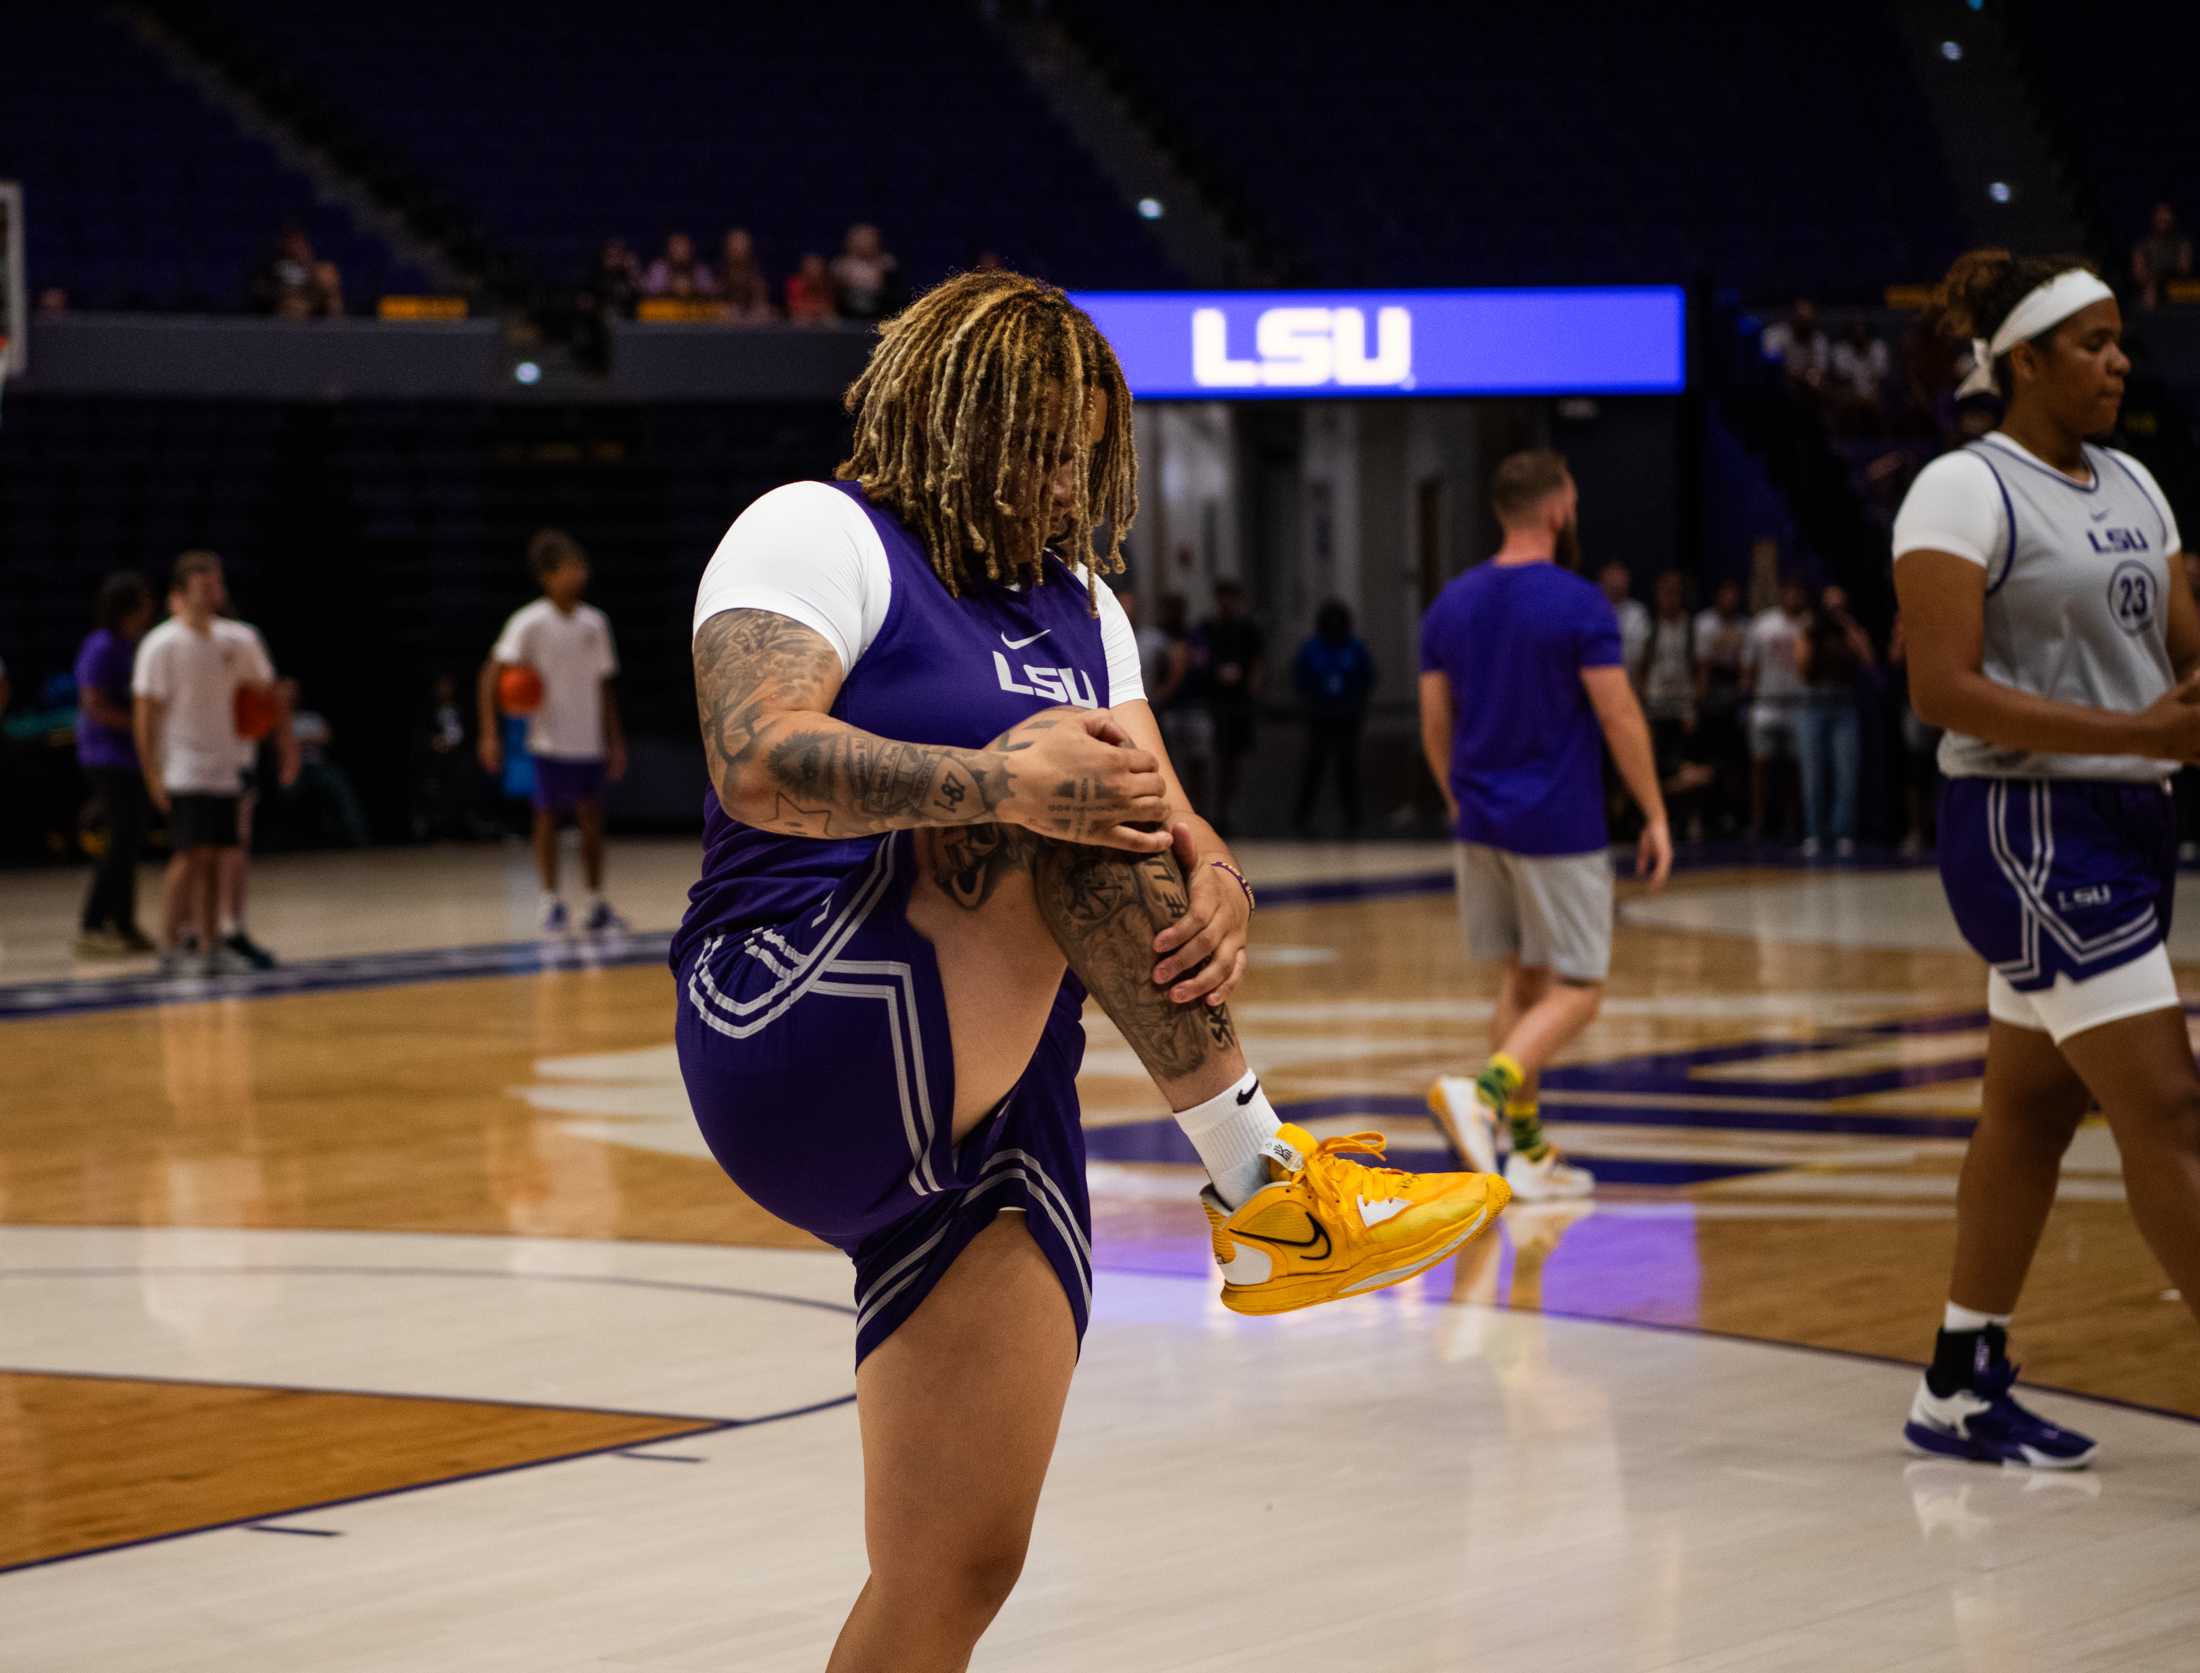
(2042,310)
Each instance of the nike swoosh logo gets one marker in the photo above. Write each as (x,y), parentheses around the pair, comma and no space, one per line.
(1249,1094)
(1317,1245)
(2103,512)
(1019,644)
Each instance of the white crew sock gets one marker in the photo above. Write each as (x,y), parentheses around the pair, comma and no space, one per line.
(1963,1318)
(1229,1131)
(550,898)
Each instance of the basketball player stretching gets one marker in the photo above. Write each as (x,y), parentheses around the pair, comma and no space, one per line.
(2051,633)
(942,815)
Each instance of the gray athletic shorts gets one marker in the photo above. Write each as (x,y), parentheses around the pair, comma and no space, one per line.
(1552,911)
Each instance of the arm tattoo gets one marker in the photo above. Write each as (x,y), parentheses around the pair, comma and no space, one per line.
(762,685)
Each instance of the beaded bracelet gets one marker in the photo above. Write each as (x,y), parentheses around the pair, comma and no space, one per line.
(1252,905)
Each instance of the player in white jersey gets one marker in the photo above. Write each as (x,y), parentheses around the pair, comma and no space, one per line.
(2050,632)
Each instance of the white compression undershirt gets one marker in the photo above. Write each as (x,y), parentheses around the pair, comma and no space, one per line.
(809,552)
(1956,506)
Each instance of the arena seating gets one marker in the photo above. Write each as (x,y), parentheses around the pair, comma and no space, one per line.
(140,194)
(2130,134)
(793,122)
(1775,149)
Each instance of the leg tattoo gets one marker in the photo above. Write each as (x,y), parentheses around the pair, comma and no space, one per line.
(1104,909)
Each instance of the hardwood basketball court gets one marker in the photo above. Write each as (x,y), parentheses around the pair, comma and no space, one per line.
(386,1314)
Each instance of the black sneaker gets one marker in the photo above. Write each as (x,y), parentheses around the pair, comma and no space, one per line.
(135,939)
(250,951)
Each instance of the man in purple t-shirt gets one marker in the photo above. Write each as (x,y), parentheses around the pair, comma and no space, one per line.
(1523,683)
(107,750)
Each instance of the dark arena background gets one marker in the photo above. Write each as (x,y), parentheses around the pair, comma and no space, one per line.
(383,1219)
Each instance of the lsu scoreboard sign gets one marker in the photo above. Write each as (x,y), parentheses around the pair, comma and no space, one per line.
(1236,345)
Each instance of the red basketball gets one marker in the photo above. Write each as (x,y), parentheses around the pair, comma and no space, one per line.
(519,690)
(255,711)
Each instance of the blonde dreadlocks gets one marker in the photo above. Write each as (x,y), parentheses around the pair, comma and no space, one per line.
(976,395)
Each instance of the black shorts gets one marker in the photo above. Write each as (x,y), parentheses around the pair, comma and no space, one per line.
(199,821)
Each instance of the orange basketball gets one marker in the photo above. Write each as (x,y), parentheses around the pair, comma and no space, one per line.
(254,711)
(519,690)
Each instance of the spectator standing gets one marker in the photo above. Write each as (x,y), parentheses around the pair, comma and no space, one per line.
(1831,655)
(1722,650)
(1861,364)
(810,293)
(677,273)
(1798,346)
(1618,583)
(1775,691)
(282,285)
(444,798)
(324,787)
(1920,752)
(1153,646)
(741,281)
(1334,676)
(866,276)
(1179,700)
(1231,651)
(325,292)
(2162,255)
(2186,785)
(1669,703)
(106,748)
(616,283)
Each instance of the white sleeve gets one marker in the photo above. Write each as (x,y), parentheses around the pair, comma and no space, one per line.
(511,645)
(806,552)
(1955,505)
(1126,681)
(149,673)
(260,667)
(2153,491)
(610,666)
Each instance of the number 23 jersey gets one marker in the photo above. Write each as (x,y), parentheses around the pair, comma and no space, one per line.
(2077,589)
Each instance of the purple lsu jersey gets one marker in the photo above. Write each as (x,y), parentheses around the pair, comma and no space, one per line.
(812,1025)
(942,670)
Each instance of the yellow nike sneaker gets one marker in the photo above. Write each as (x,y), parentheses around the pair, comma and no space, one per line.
(1328,1227)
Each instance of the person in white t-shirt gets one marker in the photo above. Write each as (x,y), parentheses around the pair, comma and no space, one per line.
(574,735)
(185,683)
(1773,679)
(1618,582)
(1722,646)
(233,869)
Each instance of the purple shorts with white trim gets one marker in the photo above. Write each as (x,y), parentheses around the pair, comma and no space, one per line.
(817,1059)
(2058,877)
